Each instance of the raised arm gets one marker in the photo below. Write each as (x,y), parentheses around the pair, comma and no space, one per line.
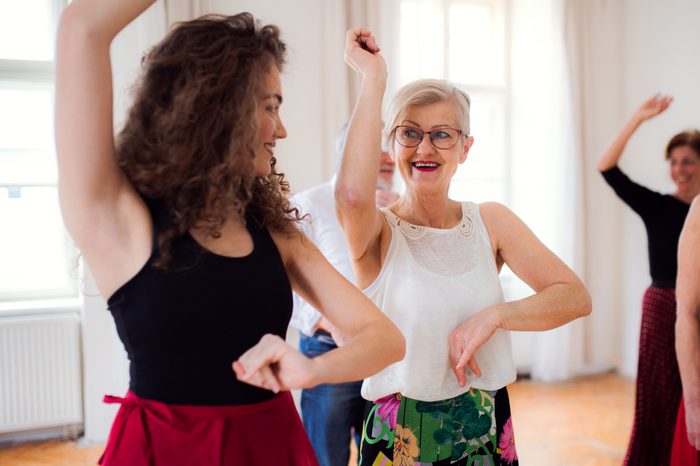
(559,297)
(647,110)
(688,319)
(357,178)
(105,216)
(373,341)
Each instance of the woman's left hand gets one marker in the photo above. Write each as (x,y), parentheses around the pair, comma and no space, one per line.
(274,365)
(362,52)
(466,339)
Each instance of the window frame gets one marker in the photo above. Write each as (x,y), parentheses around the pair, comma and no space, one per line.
(39,74)
(501,90)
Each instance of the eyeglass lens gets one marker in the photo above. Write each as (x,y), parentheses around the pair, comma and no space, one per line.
(442,138)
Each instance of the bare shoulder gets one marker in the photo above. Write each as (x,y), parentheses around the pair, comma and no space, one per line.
(493,209)
(692,220)
(507,232)
(694,212)
(498,218)
(293,246)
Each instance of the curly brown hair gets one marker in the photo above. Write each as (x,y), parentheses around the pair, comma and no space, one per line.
(188,142)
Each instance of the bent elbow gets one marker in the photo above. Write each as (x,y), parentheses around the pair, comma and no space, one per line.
(345,197)
(585,304)
(400,345)
(352,199)
(393,342)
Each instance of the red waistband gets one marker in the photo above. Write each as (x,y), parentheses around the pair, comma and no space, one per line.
(199,411)
(147,433)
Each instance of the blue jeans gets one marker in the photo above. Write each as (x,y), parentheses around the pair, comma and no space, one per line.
(330,411)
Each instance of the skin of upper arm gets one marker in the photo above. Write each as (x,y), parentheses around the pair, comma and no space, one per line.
(368,266)
(688,289)
(320,284)
(362,226)
(687,329)
(517,246)
(107,219)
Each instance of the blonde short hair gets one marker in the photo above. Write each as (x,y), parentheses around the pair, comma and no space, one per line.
(426,92)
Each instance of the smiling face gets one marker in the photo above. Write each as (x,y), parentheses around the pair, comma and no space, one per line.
(270,127)
(424,168)
(684,166)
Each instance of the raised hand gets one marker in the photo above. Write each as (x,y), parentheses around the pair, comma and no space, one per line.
(362,52)
(652,107)
(649,109)
(465,340)
(274,365)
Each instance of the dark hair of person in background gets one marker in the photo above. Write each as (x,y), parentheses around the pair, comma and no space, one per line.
(690,137)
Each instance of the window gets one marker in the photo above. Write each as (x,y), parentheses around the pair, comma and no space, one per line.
(37,255)
(467,43)
(464,41)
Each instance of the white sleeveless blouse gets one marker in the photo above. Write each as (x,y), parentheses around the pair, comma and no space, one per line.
(431,281)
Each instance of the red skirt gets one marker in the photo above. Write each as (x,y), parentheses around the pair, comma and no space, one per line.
(151,433)
(683,453)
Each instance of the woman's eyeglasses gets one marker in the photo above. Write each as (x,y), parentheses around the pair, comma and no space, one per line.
(441,138)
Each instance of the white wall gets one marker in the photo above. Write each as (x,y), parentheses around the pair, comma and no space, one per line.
(599,85)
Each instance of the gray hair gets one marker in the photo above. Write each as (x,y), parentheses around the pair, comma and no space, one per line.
(426,92)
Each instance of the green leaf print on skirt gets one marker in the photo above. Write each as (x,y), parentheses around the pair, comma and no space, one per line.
(452,428)
(427,432)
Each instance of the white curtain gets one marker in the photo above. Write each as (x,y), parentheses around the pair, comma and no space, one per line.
(546,167)
(553,159)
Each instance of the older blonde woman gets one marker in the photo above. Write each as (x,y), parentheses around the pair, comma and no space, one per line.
(432,264)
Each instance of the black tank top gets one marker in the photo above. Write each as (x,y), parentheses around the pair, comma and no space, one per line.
(182,329)
(663,216)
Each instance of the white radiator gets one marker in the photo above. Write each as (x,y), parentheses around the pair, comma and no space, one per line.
(40,372)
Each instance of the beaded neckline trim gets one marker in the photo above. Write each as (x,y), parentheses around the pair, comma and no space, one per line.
(465,226)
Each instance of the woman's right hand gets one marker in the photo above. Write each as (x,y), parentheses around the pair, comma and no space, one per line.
(274,365)
(362,52)
(652,107)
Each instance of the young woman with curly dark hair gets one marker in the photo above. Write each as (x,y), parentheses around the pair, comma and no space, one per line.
(185,226)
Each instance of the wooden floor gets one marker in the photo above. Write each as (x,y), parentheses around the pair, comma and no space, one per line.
(584,422)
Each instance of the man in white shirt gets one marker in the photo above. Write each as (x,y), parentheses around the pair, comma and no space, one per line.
(331,411)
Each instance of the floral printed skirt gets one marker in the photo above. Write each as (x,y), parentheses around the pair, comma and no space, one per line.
(473,429)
